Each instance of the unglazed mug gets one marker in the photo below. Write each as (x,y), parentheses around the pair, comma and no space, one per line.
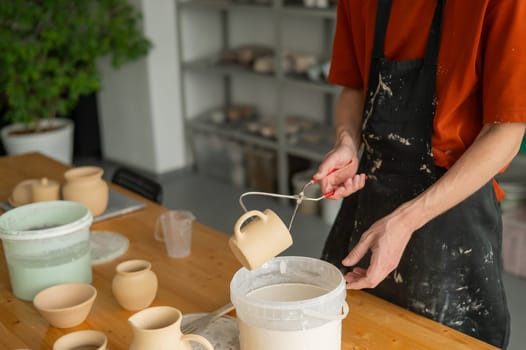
(159,328)
(85,339)
(134,285)
(260,239)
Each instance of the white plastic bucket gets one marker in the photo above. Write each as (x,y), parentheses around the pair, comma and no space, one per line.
(290,303)
(46,243)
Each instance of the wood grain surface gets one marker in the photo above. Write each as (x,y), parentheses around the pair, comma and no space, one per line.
(198,283)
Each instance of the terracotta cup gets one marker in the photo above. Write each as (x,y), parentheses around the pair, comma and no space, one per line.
(85,339)
(259,240)
(45,190)
(159,328)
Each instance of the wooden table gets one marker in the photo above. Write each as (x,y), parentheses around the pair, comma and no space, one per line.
(198,283)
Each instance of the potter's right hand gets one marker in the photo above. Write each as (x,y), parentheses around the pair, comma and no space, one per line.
(344,181)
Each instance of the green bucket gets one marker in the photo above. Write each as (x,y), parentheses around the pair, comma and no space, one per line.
(46,243)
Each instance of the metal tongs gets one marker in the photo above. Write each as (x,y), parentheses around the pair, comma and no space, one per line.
(299,198)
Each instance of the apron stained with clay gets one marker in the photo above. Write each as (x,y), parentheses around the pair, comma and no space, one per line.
(451,268)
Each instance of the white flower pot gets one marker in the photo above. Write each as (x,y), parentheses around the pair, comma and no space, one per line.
(57,143)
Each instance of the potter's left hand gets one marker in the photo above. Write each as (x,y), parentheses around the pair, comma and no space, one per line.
(386,239)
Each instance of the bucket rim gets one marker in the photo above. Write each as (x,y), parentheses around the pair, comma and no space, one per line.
(26,235)
(288,305)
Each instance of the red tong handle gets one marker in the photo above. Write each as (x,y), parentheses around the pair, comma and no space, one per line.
(330,193)
(331,172)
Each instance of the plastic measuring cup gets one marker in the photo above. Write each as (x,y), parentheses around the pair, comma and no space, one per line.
(174,228)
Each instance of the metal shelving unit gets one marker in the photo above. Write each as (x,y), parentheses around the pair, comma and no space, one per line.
(279,11)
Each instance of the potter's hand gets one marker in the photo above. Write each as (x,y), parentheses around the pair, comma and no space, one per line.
(386,239)
(337,172)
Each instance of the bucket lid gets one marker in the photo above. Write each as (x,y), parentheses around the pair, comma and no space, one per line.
(29,222)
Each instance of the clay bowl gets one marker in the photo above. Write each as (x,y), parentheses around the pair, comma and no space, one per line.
(65,305)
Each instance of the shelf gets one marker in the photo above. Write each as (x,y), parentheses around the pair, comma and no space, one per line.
(235,131)
(312,152)
(305,83)
(285,140)
(292,10)
(223,5)
(209,65)
(299,10)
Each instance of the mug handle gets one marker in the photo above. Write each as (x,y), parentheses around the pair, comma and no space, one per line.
(187,338)
(237,227)
(158,231)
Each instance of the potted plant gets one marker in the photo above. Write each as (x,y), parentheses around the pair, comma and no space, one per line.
(49,53)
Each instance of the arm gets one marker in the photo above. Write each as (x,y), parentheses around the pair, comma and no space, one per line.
(348,121)
(387,238)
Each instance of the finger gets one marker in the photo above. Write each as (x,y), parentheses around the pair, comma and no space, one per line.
(357,279)
(360,283)
(357,253)
(355,274)
(354,184)
(332,165)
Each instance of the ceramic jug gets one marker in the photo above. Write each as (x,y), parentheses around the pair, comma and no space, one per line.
(159,328)
(85,185)
(134,285)
(256,242)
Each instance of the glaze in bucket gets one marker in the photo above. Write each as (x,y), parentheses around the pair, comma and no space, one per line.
(290,303)
(46,243)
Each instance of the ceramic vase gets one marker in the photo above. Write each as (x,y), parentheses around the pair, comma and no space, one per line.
(159,328)
(134,285)
(86,186)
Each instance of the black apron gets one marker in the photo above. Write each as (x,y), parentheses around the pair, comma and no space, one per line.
(451,268)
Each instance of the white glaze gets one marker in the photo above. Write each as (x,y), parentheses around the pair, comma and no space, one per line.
(326,337)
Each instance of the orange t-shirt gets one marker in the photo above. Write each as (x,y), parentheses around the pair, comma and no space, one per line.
(481,74)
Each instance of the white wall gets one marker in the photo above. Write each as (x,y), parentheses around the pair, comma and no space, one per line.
(139,105)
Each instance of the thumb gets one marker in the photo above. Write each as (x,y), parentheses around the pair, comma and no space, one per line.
(357,253)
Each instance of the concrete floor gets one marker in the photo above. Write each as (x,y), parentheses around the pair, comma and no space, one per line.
(216,204)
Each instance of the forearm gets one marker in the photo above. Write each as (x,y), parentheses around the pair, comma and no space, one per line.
(348,117)
(493,149)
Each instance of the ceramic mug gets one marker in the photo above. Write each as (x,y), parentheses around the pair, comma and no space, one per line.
(85,339)
(159,328)
(260,239)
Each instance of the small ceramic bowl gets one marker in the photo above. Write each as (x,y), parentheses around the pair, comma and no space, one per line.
(65,305)
(85,339)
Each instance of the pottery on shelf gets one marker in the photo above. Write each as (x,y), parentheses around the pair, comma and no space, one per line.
(85,185)
(159,328)
(134,285)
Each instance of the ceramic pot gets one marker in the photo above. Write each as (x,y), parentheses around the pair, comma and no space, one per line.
(159,328)
(134,285)
(86,186)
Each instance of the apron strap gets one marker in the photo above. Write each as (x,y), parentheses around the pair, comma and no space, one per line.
(382,19)
(433,41)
